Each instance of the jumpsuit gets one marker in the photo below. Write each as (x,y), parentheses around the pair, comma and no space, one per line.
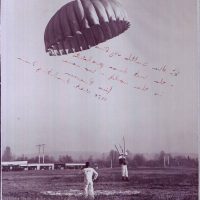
(88,182)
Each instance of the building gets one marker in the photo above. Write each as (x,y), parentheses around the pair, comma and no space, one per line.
(24,165)
(13,165)
(39,166)
(74,165)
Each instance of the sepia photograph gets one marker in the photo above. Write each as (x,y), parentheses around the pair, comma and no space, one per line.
(99,99)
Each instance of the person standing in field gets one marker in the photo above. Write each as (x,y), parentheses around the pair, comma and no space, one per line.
(124,168)
(90,175)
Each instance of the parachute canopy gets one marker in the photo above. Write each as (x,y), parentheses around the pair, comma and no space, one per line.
(81,24)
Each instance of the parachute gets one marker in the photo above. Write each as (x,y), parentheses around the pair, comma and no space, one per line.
(82,24)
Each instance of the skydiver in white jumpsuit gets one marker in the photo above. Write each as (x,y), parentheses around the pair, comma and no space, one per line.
(90,175)
(124,168)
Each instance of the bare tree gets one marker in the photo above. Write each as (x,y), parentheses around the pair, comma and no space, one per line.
(49,159)
(22,158)
(139,160)
(7,155)
(113,158)
(65,159)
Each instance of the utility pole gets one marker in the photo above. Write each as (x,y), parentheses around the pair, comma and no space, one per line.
(168,160)
(39,146)
(111,161)
(43,145)
(164,161)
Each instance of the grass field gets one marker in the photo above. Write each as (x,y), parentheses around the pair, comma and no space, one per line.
(144,184)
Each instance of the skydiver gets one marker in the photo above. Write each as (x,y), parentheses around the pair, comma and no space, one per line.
(124,168)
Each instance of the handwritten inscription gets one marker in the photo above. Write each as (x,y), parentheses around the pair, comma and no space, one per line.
(83,86)
(99,79)
(144,88)
(131,58)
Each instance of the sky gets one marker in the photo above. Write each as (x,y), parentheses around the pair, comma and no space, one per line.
(41,109)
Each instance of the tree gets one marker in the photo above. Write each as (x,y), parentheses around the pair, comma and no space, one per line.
(22,158)
(49,159)
(113,157)
(161,156)
(65,159)
(33,160)
(90,159)
(139,160)
(7,155)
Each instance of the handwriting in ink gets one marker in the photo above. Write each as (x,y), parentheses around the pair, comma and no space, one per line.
(116,78)
(160,69)
(144,88)
(107,90)
(161,82)
(138,75)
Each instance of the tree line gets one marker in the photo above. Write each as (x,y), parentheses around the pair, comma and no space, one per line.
(9,156)
(110,159)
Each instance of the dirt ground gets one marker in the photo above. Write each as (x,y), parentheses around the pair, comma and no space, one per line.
(144,184)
